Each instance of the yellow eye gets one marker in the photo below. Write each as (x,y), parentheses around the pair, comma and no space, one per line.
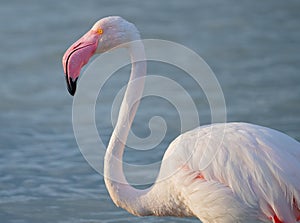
(100,31)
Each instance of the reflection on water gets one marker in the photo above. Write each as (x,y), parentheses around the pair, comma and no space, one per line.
(252,46)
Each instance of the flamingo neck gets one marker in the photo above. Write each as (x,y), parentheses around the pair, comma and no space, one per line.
(159,199)
(124,195)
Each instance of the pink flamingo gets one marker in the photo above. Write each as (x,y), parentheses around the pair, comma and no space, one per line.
(254,176)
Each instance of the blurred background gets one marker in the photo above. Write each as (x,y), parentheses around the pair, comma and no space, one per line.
(252,46)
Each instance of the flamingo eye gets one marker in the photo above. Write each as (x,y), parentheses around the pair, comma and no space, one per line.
(100,31)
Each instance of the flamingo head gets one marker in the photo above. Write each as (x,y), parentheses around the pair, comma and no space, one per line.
(106,34)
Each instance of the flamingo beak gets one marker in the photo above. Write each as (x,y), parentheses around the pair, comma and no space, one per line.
(71,85)
(77,56)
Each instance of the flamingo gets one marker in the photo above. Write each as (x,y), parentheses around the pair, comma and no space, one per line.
(253,177)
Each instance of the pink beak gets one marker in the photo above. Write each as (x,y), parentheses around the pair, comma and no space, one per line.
(77,56)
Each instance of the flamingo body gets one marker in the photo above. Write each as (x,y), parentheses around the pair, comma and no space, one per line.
(253,174)
(220,173)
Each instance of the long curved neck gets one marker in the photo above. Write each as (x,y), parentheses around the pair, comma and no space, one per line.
(138,202)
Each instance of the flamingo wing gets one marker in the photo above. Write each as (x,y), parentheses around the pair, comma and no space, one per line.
(238,172)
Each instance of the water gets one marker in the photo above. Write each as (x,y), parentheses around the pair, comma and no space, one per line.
(253,47)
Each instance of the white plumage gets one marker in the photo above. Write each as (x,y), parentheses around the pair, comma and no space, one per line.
(253,175)
(221,173)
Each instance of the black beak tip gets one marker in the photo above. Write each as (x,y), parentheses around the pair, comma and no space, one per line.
(71,85)
(71,91)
